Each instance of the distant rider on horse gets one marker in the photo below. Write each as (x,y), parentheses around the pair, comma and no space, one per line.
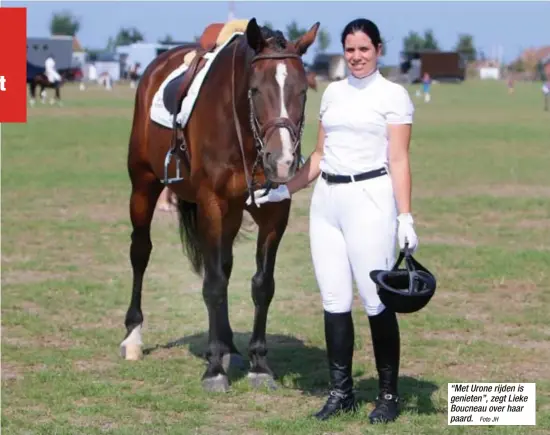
(53,77)
(51,73)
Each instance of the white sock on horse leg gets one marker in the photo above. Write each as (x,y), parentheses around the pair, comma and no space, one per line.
(131,346)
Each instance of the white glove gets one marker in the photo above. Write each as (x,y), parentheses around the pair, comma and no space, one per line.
(275,195)
(406,233)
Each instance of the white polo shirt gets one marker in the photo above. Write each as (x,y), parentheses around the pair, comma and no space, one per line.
(355,114)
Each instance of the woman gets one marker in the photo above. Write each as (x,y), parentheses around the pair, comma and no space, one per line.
(360,202)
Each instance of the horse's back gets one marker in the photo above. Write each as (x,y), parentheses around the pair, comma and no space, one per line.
(155,73)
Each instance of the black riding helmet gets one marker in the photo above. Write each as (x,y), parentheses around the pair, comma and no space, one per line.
(405,290)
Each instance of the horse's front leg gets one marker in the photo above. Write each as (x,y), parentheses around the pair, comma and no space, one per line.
(43,94)
(218,225)
(272,220)
(32,88)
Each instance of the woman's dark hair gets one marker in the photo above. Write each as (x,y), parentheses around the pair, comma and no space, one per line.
(365,26)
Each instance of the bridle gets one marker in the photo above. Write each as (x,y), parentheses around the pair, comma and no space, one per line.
(260,132)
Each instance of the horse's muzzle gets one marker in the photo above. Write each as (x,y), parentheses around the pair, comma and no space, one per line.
(279,168)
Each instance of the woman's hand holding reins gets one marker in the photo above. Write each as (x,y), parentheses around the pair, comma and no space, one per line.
(274,195)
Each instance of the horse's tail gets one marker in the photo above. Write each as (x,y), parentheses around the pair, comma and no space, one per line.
(187,216)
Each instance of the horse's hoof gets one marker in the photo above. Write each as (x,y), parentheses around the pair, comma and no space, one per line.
(233,361)
(131,352)
(217,384)
(262,380)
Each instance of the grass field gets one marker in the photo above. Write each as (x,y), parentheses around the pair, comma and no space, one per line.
(481,200)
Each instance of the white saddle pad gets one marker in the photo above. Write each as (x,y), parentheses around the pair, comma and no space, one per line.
(160,114)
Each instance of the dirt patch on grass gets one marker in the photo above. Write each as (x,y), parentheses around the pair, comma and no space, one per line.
(79,112)
(298,225)
(509,295)
(448,240)
(105,213)
(513,190)
(14,277)
(539,224)
(494,334)
(97,421)
(11,371)
(499,191)
(95,365)
(256,405)
(114,320)
(17,336)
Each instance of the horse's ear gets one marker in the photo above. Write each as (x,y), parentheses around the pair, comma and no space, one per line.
(304,41)
(254,36)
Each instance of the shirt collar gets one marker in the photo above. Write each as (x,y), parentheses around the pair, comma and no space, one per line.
(363,82)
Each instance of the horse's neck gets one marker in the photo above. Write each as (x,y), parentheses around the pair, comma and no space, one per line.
(240,68)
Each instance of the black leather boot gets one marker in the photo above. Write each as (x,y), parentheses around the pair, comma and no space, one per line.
(339,336)
(386,345)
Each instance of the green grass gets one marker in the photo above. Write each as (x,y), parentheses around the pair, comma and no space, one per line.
(481,198)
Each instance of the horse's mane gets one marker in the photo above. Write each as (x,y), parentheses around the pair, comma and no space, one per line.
(277,40)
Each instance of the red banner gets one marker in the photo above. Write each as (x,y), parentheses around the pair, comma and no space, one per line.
(13,64)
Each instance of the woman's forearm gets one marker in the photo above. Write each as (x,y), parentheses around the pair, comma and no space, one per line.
(401,179)
(308,173)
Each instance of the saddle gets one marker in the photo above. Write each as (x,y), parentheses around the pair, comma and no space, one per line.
(213,36)
(176,90)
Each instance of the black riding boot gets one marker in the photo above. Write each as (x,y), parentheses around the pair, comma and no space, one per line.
(339,336)
(386,343)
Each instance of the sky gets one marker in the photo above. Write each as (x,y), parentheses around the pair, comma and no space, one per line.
(514,26)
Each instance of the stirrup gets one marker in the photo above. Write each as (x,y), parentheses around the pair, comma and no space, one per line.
(178,176)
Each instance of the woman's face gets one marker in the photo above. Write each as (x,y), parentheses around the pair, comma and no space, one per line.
(360,53)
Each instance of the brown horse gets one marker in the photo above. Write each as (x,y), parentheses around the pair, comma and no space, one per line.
(42,81)
(246,125)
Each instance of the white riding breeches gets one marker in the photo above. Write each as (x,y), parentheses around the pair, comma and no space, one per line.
(53,76)
(352,232)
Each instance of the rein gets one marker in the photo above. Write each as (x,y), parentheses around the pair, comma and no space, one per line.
(238,128)
(257,131)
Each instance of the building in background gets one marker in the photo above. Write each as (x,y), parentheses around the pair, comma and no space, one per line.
(143,53)
(329,66)
(443,66)
(40,48)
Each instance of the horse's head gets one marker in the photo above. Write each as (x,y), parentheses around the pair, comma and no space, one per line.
(277,94)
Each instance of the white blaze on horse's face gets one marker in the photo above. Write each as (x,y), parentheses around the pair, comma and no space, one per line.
(287,157)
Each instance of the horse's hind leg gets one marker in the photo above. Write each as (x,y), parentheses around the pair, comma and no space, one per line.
(146,189)
(272,220)
(58,92)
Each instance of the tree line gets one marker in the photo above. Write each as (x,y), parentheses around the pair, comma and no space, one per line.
(65,23)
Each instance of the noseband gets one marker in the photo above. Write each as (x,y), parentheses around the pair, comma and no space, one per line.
(260,132)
